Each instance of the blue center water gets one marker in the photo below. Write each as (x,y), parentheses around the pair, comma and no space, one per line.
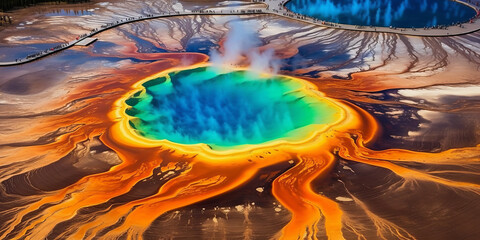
(385,13)
(225,109)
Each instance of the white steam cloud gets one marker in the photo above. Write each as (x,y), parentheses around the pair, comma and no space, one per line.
(241,49)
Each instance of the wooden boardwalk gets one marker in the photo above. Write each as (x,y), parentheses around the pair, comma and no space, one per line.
(86,41)
(275,7)
(33,57)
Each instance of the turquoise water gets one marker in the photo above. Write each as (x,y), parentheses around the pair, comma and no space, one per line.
(385,13)
(224,110)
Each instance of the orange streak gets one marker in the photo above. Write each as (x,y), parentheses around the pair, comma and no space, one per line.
(294,191)
(201,172)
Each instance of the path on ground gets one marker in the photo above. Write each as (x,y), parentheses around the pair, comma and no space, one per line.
(275,7)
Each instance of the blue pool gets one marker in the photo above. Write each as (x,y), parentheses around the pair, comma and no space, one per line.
(385,13)
(225,110)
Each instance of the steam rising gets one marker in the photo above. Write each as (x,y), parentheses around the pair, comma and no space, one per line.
(241,49)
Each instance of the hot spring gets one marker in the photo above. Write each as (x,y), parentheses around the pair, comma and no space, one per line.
(385,13)
(227,109)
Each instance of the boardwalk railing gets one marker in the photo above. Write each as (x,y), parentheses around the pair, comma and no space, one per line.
(46,52)
(275,7)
